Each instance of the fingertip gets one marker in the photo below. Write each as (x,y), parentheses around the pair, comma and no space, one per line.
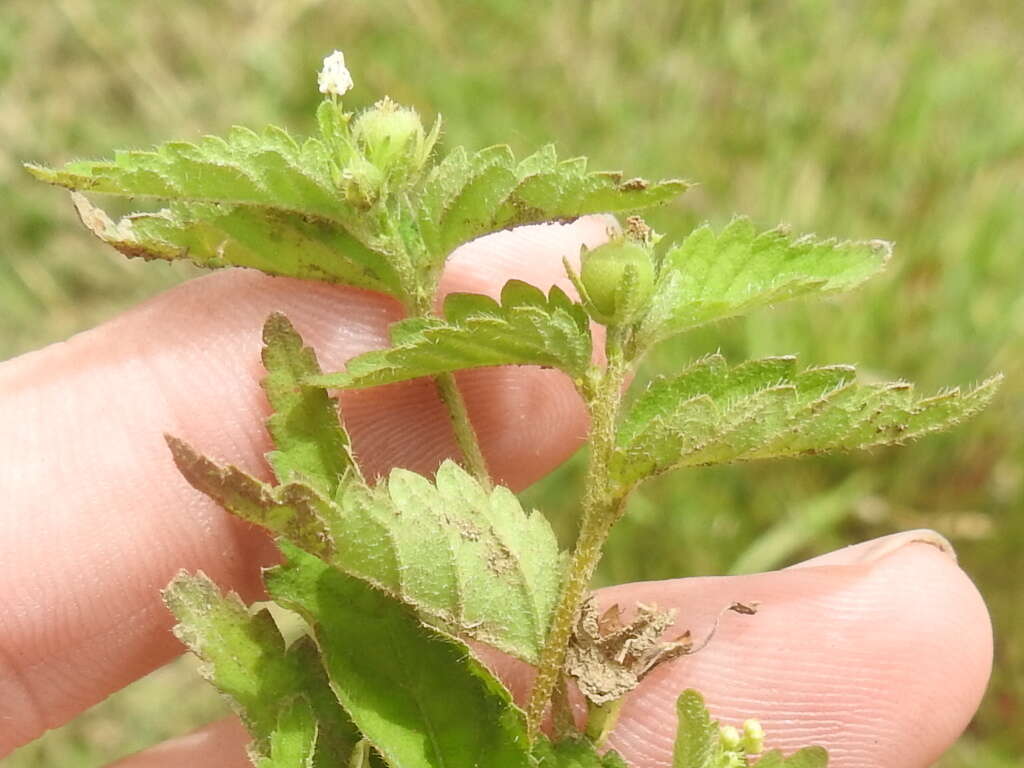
(882,661)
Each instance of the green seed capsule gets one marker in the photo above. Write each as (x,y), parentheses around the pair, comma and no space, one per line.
(388,134)
(619,279)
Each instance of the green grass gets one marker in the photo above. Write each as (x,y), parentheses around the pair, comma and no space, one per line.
(898,120)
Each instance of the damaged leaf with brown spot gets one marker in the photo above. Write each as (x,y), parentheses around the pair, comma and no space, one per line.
(608,658)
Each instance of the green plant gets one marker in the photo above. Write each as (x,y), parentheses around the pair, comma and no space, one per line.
(365,567)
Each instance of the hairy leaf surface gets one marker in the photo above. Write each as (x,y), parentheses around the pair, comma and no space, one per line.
(258,200)
(765,409)
(713,276)
(293,742)
(574,753)
(471,560)
(275,241)
(311,445)
(268,169)
(698,744)
(293,510)
(468,195)
(526,328)
(420,698)
(245,657)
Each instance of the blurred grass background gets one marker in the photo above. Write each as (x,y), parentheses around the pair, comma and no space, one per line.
(862,119)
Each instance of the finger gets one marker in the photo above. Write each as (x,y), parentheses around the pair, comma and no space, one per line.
(218,745)
(882,658)
(96,518)
(880,653)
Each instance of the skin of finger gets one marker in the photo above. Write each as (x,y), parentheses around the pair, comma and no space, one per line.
(97,519)
(218,745)
(883,662)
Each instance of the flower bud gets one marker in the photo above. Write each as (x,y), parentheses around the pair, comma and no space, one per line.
(618,278)
(390,136)
(730,737)
(753,737)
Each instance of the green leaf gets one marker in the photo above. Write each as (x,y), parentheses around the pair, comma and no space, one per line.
(278,242)
(466,196)
(712,276)
(698,744)
(293,510)
(253,200)
(471,561)
(293,742)
(245,657)
(574,753)
(420,698)
(268,169)
(765,409)
(527,328)
(311,445)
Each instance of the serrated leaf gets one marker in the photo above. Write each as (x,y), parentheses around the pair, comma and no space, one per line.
(420,698)
(293,742)
(574,753)
(245,657)
(713,276)
(764,409)
(268,169)
(698,744)
(260,200)
(293,510)
(275,241)
(311,445)
(471,561)
(527,328)
(466,196)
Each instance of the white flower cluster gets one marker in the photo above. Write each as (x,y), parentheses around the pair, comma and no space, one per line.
(334,78)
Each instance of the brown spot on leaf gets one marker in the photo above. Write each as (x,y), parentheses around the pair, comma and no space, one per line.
(633,185)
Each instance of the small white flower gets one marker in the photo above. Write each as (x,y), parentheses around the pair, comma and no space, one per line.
(334,78)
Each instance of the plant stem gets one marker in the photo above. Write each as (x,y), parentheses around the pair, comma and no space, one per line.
(602,505)
(465,435)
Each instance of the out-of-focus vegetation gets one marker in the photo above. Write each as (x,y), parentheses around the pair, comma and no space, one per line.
(896,120)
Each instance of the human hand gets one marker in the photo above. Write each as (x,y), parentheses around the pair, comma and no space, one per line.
(879,652)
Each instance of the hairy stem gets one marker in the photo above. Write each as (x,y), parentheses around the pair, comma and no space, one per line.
(421,305)
(465,435)
(602,505)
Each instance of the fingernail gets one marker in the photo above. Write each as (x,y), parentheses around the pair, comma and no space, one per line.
(877,549)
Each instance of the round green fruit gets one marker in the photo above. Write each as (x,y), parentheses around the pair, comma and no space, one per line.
(603,274)
(388,133)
